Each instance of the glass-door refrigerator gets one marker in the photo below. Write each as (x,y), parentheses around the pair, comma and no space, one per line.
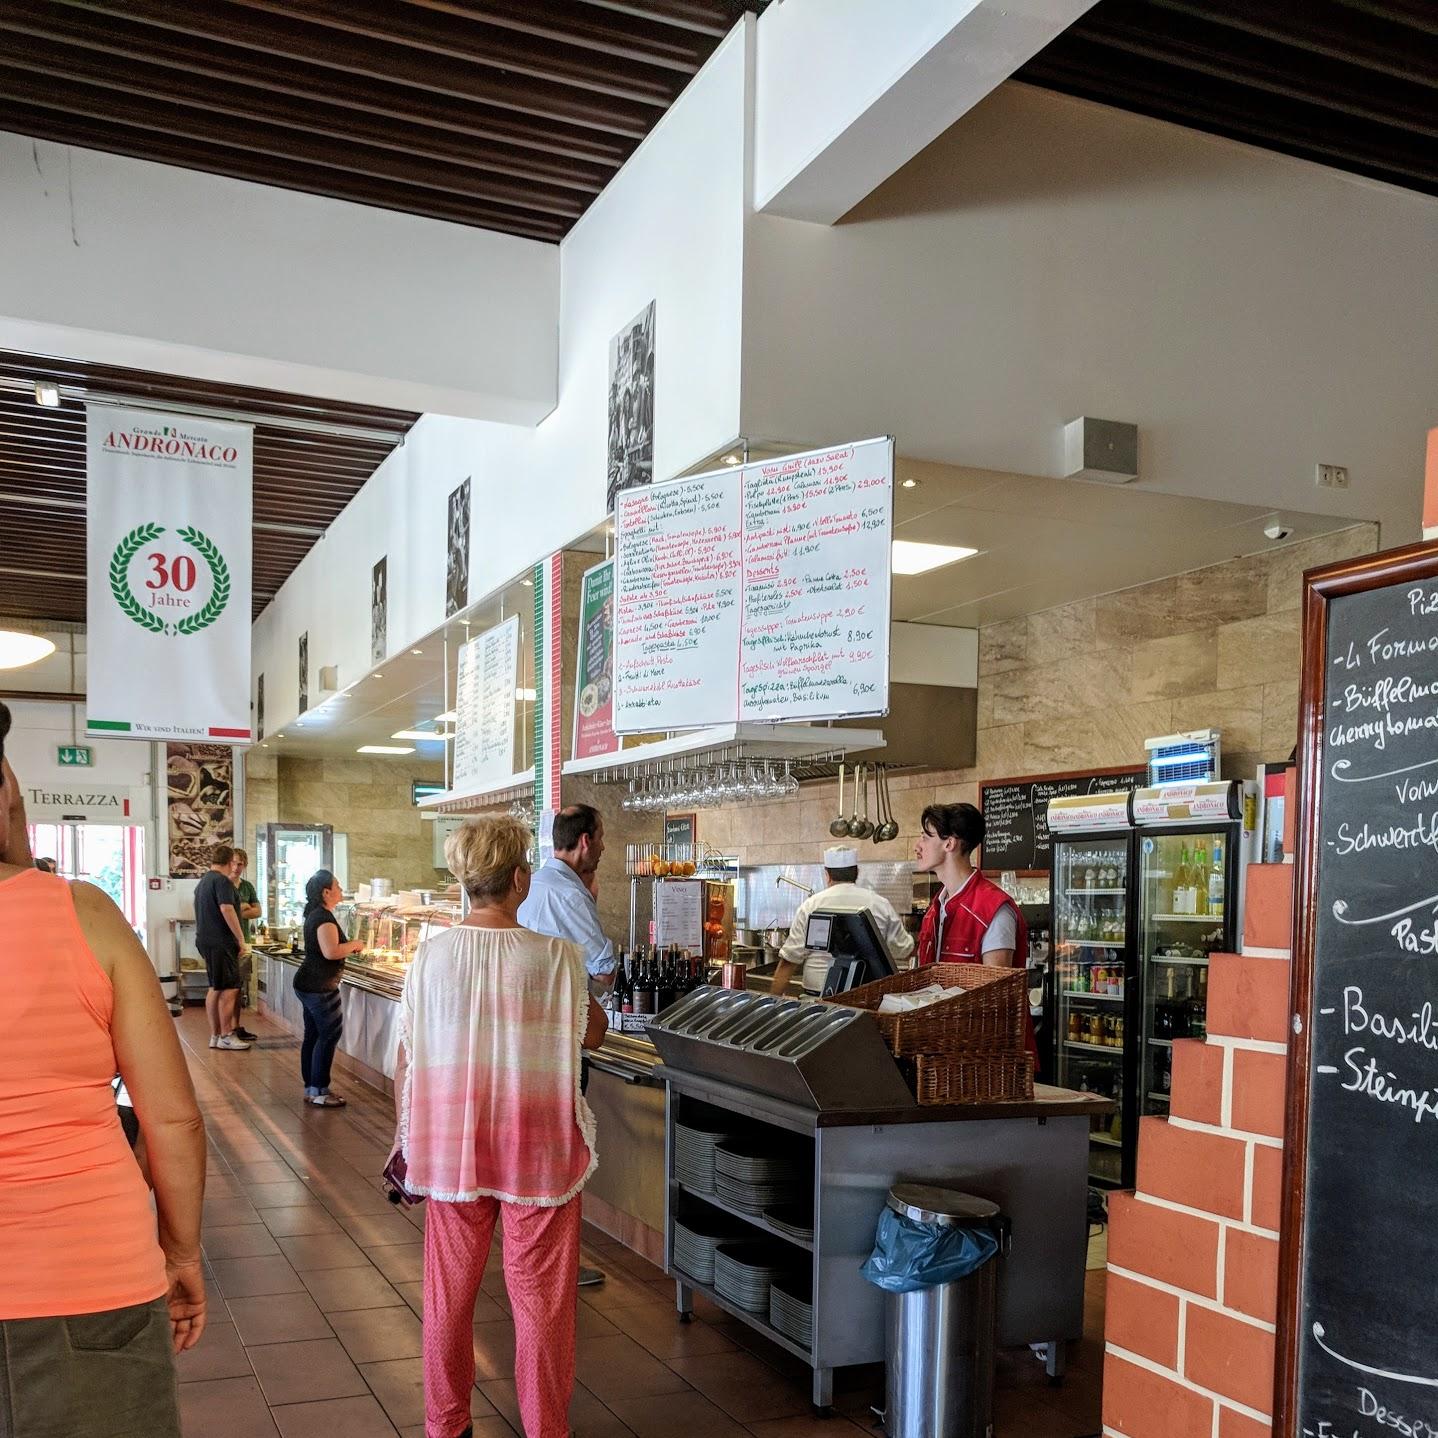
(1093,972)
(285,857)
(1191,841)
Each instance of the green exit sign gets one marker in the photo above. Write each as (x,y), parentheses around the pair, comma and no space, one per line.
(76,756)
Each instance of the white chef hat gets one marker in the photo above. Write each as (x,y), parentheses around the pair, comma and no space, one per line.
(841,858)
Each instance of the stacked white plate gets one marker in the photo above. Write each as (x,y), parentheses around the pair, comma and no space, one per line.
(754,1174)
(694,1145)
(744,1271)
(791,1307)
(793,1220)
(696,1236)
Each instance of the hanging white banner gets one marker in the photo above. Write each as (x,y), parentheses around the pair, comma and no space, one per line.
(169,576)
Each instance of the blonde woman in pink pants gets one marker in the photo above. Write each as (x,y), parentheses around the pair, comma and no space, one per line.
(493,1127)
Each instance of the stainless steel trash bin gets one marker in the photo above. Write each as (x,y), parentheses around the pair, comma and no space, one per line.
(940,1380)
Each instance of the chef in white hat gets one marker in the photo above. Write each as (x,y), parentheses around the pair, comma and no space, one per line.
(841,868)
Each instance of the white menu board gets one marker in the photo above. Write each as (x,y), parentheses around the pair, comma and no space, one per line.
(756,593)
(679,914)
(676,612)
(484,704)
(814,633)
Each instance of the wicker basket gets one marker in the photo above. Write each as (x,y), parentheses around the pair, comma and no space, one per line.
(970,1078)
(988,1016)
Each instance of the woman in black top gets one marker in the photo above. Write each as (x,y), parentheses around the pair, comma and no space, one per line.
(317,986)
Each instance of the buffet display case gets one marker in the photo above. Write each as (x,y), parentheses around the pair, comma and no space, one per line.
(391,933)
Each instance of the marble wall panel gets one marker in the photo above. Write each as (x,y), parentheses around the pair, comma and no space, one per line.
(1259,651)
(1059,634)
(1237,712)
(1286,565)
(1180,664)
(1003,646)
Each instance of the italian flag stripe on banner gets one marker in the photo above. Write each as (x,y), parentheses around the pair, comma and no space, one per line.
(548,705)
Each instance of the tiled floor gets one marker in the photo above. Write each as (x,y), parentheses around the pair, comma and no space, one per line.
(315,1302)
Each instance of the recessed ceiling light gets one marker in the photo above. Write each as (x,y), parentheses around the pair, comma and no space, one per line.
(911,557)
(47,394)
(910,483)
(448,717)
(279,736)
(17,649)
(527,583)
(732,459)
(376,676)
(264,746)
(423,736)
(416,651)
(385,749)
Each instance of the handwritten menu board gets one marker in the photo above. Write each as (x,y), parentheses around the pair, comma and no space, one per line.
(676,606)
(756,593)
(814,640)
(1016,814)
(1360,1339)
(484,703)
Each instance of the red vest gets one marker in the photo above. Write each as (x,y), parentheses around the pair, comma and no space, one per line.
(967,917)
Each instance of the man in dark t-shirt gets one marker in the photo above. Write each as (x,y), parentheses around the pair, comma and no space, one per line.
(221,942)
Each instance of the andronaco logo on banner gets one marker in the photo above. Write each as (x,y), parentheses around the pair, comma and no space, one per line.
(169,576)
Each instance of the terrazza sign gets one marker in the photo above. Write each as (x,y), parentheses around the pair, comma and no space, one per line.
(170,442)
(90,802)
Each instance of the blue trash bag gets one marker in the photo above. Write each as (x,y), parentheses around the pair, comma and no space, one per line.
(909,1255)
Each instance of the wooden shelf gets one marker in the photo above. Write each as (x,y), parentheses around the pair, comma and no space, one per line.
(757,1219)
(744,1315)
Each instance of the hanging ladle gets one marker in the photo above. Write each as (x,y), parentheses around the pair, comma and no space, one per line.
(839,826)
(889,826)
(862,828)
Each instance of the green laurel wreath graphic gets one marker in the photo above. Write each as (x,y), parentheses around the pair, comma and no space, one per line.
(125,551)
(209,551)
(219,571)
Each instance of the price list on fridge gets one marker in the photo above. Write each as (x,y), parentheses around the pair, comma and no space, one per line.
(814,639)
(756,594)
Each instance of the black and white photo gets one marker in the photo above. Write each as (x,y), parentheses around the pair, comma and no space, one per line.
(260,708)
(631,405)
(304,671)
(456,584)
(379,611)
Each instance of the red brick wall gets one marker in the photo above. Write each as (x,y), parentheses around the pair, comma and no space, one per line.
(1193,1253)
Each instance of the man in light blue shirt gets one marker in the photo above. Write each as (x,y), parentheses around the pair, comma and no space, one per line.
(563,903)
(562,891)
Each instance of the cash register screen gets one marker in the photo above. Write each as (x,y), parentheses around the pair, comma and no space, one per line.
(816,936)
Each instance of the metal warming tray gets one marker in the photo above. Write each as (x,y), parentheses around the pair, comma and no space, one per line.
(816,1055)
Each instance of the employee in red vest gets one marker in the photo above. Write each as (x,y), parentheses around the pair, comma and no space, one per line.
(971,920)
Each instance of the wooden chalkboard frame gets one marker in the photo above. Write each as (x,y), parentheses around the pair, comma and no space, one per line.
(1007,779)
(1415,563)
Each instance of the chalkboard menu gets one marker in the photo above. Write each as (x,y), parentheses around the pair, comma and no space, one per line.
(1359,1338)
(1016,813)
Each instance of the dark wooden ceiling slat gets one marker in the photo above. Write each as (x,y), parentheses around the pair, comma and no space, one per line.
(704,17)
(274,75)
(475,42)
(308,179)
(295,40)
(254,137)
(418,142)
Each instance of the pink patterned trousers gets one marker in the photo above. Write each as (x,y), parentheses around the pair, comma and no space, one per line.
(541,1271)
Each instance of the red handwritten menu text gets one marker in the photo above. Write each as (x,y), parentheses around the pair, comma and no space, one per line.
(677,603)
(759,593)
(815,635)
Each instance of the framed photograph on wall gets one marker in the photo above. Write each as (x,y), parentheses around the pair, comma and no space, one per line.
(260,707)
(456,572)
(631,405)
(304,672)
(379,611)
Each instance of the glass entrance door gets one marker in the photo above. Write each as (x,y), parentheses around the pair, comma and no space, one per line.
(1091,973)
(110,856)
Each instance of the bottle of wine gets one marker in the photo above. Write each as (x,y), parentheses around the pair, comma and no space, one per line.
(1200,881)
(664,984)
(1215,882)
(645,992)
(1181,881)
